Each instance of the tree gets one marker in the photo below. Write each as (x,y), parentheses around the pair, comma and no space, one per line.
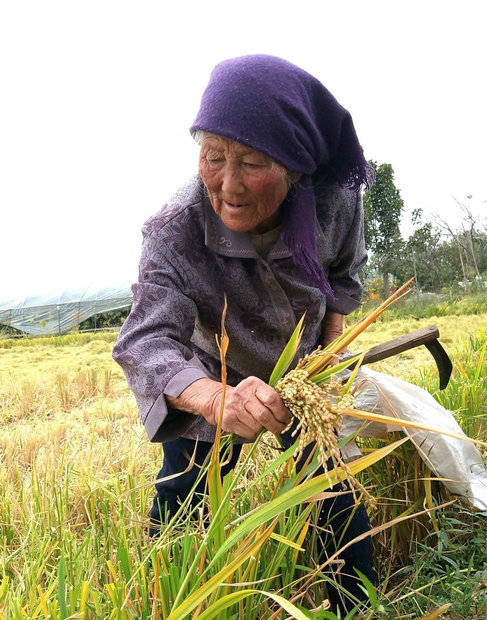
(469,239)
(433,262)
(383,206)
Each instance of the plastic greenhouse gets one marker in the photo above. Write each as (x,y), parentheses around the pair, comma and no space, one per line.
(58,313)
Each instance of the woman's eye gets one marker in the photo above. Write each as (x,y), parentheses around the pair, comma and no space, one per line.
(251,165)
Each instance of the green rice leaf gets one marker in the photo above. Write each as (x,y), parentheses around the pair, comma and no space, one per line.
(4,588)
(369,587)
(312,466)
(333,370)
(191,575)
(348,385)
(204,591)
(235,597)
(61,590)
(288,354)
(271,467)
(298,495)
(123,557)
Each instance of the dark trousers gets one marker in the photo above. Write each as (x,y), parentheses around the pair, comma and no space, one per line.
(338,514)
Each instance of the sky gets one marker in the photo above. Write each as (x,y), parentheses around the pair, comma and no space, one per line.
(97,98)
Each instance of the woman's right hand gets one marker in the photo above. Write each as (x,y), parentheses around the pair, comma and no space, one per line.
(249,408)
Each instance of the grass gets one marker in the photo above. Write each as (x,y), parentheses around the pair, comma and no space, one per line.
(58,341)
(76,474)
(442,559)
(434,305)
(447,567)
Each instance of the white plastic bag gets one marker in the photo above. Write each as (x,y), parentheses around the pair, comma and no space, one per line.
(457,461)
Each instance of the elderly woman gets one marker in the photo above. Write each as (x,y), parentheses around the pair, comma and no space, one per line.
(273,221)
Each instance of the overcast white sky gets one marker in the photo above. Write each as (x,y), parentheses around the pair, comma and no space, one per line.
(97,97)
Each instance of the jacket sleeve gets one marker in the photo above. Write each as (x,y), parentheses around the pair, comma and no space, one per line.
(352,256)
(153,347)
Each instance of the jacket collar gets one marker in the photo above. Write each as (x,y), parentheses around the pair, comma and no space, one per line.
(226,242)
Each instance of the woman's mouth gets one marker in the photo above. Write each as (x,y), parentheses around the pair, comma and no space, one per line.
(234,205)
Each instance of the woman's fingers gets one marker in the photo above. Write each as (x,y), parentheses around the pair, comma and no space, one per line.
(253,406)
(239,424)
(265,405)
(247,424)
(271,399)
(244,431)
(236,419)
(263,416)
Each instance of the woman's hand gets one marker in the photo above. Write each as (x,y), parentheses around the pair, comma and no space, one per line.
(250,407)
(331,329)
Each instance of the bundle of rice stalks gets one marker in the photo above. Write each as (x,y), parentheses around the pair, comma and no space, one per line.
(319,408)
(318,397)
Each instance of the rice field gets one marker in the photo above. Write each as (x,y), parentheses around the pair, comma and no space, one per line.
(76,475)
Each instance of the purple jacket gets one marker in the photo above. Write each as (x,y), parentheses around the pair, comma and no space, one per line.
(190,260)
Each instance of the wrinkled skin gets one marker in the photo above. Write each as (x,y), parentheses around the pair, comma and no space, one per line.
(246,188)
(250,407)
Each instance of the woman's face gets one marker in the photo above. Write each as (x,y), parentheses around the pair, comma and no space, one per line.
(246,187)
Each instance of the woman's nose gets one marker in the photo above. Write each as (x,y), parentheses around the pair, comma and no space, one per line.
(232,180)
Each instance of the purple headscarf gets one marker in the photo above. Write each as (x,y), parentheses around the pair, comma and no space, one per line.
(277,108)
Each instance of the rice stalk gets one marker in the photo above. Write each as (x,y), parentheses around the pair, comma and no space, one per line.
(318,398)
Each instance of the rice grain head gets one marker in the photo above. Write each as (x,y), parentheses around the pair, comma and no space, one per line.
(319,411)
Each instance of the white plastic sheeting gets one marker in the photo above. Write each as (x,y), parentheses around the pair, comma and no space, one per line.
(457,462)
(59,312)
